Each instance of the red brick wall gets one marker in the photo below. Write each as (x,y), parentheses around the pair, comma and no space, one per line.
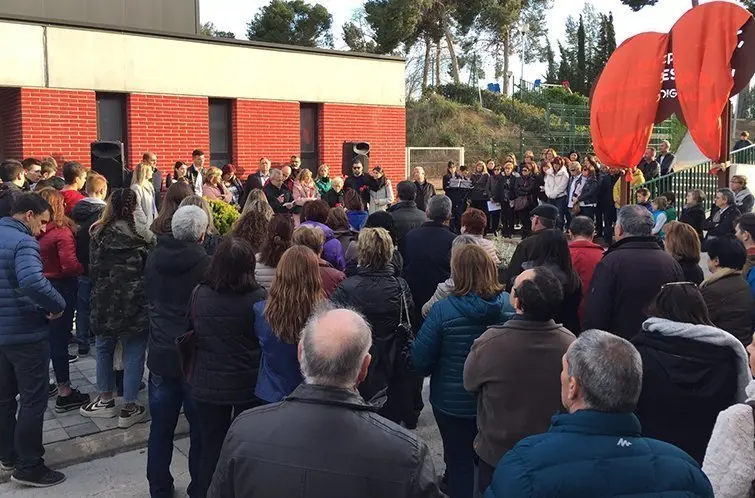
(383,127)
(60,123)
(264,129)
(10,123)
(170,126)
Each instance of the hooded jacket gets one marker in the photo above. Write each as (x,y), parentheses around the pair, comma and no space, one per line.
(597,454)
(57,247)
(118,302)
(690,374)
(173,269)
(730,303)
(26,296)
(444,341)
(332,251)
(377,295)
(730,457)
(556,184)
(85,213)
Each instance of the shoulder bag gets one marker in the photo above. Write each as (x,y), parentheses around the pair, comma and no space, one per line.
(187,343)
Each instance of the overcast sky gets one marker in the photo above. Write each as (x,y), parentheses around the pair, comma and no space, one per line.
(232,15)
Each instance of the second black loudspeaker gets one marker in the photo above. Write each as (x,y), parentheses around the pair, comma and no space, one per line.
(353,152)
(107,160)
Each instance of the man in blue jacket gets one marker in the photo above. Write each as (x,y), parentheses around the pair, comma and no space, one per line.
(597,449)
(27,302)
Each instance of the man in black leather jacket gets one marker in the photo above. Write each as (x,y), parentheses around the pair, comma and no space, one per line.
(324,440)
(406,215)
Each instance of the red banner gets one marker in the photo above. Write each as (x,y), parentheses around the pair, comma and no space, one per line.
(703,43)
(625,101)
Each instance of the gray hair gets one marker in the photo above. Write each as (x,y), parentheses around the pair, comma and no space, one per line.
(636,220)
(465,240)
(439,208)
(189,223)
(728,195)
(275,174)
(339,363)
(608,369)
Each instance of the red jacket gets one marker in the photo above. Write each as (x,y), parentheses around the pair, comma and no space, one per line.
(70,198)
(585,256)
(57,246)
(330,276)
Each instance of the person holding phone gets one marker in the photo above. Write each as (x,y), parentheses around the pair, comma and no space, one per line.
(278,195)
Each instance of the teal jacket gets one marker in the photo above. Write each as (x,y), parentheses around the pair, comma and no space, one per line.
(443,344)
(597,454)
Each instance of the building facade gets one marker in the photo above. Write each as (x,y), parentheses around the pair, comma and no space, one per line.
(63,87)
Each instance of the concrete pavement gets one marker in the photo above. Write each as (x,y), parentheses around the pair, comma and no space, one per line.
(125,475)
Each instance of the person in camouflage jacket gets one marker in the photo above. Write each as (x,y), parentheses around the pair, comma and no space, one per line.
(118,307)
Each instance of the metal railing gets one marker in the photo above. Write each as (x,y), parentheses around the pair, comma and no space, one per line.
(695,177)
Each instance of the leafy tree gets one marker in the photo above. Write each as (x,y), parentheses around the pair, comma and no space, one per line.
(292,22)
(636,5)
(357,35)
(606,46)
(564,69)
(209,29)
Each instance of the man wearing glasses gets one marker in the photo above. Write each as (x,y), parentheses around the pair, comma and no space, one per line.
(358,182)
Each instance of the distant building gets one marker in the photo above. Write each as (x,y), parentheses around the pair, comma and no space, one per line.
(74,73)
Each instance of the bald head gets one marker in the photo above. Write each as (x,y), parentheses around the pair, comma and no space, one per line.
(334,348)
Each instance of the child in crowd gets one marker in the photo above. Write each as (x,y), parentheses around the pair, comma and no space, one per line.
(660,215)
(643,198)
(671,211)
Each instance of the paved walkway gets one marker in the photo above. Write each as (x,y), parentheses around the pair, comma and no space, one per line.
(62,426)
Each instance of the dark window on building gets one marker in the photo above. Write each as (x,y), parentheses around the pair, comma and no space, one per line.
(111,117)
(308,125)
(220,132)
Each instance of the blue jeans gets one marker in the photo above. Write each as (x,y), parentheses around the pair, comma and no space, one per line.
(166,396)
(60,329)
(134,351)
(83,296)
(458,436)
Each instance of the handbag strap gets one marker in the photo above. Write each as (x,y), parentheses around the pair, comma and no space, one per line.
(192,311)
(404,306)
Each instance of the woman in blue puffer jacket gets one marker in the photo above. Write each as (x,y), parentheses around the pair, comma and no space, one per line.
(441,348)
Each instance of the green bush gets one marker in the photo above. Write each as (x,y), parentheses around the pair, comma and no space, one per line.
(224,215)
(552,95)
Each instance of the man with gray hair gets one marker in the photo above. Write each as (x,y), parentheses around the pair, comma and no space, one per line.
(597,448)
(277,192)
(324,440)
(173,269)
(427,262)
(629,276)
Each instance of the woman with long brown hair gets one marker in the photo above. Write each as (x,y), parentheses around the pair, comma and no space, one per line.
(278,237)
(227,357)
(176,193)
(278,321)
(441,349)
(683,243)
(57,247)
(252,227)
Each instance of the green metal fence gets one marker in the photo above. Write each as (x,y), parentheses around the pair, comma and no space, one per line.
(696,177)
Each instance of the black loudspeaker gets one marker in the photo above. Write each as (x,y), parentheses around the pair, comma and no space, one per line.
(355,151)
(107,160)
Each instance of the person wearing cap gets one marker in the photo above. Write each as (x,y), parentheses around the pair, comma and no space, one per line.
(543,217)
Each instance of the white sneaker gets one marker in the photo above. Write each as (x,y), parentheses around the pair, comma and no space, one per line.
(98,409)
(131,414)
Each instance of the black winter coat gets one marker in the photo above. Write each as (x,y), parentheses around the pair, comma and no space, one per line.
(692,272)
(506,189)
(427,262)
(730,304)
(9,192)
(480,187)
(625,282)
(85,213)
(606,182)
(590,191)
(406,217)
(685,385)
(322,442)
(334,198)
(694,216)
(525,187)
(424,193)
(173,269)
(377,295)
(228,352)
(725,226)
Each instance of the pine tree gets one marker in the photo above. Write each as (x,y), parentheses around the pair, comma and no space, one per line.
(564,69)
(611,32)
(580,78)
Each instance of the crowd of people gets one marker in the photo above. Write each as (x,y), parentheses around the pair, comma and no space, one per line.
(297,344)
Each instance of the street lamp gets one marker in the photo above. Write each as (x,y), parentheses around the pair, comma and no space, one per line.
(524,30)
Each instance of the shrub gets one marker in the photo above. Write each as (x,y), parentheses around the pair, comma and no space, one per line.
(224,215)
